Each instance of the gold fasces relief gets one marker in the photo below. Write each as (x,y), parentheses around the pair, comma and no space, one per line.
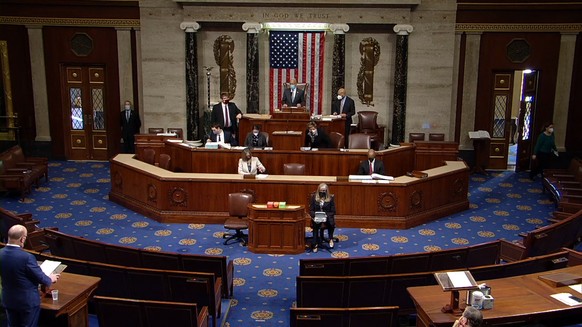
(370,54)
(223,55)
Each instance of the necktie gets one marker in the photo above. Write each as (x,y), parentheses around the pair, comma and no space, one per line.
(342,105)
(371,168)
(226,118)
(127,114)
(293,96)
(218,137)
(249,165)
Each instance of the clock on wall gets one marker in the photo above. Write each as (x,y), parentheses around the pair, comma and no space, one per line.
(81,44)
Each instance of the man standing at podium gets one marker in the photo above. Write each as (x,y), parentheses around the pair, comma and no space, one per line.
(346,107)
(226,114)
(21,276)
(293,97)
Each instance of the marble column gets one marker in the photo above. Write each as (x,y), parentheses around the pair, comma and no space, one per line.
(252,30)
(400,79)
(563,89)
(39,87)
(124,65)
(192,110)
(338,70)
(469,96)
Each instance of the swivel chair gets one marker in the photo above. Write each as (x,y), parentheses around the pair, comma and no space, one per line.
(165,161)
(177,131)
(368,124)
(294,169)
(149,155)
(415,137)
(237,207)
(337,140)
(359,141)
(155,130)
(267,138)
(436,136)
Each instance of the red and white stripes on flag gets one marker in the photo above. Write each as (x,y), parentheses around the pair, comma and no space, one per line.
(297,55)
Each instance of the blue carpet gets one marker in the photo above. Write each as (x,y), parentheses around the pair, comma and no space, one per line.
(503,204)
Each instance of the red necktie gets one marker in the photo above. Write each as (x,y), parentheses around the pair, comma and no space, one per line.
(226,121)
(371,168)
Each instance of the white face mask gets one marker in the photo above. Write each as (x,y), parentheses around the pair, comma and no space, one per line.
(550,130)
(339,97)
(255,133)
(127,107)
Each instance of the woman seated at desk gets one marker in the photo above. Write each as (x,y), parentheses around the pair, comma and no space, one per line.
(316,137)
(322,201)
(247,164)
(256,139)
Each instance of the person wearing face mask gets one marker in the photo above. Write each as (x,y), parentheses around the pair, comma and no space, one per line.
(316,137)
(221,136)
(256,139)
(226,114)
(346,107)
(247,164)
(293,96)
(371,166)
(130,125)
(544,151)
(322,200)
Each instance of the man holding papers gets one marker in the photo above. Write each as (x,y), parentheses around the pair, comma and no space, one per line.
(21,276)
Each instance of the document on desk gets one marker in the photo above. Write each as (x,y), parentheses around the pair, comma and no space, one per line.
(577,288)
(459,279)
(567,299)
(49,267)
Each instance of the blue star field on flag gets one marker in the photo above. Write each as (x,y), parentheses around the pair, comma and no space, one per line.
(284,50)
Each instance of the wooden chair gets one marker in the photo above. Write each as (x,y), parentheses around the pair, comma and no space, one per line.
(436,136)
(237,207)
(415,137)
(360,141)
(368,124)
(165,160)
(149,156)
(337,140)
(178,131)
(155,130)
(294,169)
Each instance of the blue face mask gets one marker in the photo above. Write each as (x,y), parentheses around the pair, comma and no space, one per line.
(293,87)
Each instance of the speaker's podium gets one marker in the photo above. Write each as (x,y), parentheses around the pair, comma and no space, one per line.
(71,307)
(292,113)
(276,230)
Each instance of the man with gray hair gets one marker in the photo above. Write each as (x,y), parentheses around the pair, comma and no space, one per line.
(471,317)
(21,276)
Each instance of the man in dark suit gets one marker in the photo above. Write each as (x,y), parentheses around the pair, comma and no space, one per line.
(293,97)
(316,137)
(21,276)
(226,114)
(376,166)
(221,136)
(346,107)
(130,125)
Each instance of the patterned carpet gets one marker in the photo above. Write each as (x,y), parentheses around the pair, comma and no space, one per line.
(75,199)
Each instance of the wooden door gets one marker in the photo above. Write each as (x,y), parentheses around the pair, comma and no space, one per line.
(526,136)
(501,120)
(84,118)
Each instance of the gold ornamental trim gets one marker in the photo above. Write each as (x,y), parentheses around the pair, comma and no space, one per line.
(52,21)
(572,28)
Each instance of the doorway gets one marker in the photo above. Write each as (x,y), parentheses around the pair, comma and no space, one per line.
(84,103)
(523,112)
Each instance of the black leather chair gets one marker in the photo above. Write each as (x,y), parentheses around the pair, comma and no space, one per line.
(238,210)
(415,137)
(436,136)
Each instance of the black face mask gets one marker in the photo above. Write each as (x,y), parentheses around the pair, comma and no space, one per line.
(322,194)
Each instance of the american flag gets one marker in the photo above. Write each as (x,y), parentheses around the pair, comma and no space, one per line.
(297,55)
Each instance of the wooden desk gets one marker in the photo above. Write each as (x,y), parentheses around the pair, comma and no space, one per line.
(287,122)
(74,293)
(517,299)
(276,230)
(196,197)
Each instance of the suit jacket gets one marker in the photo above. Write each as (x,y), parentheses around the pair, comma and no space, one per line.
(21,276)
(349,108)
(131,126)
(243,166)
(322,140)
(365,167)
(217,116)
(227,138)
(328,208)
(299,97)
(262,140)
